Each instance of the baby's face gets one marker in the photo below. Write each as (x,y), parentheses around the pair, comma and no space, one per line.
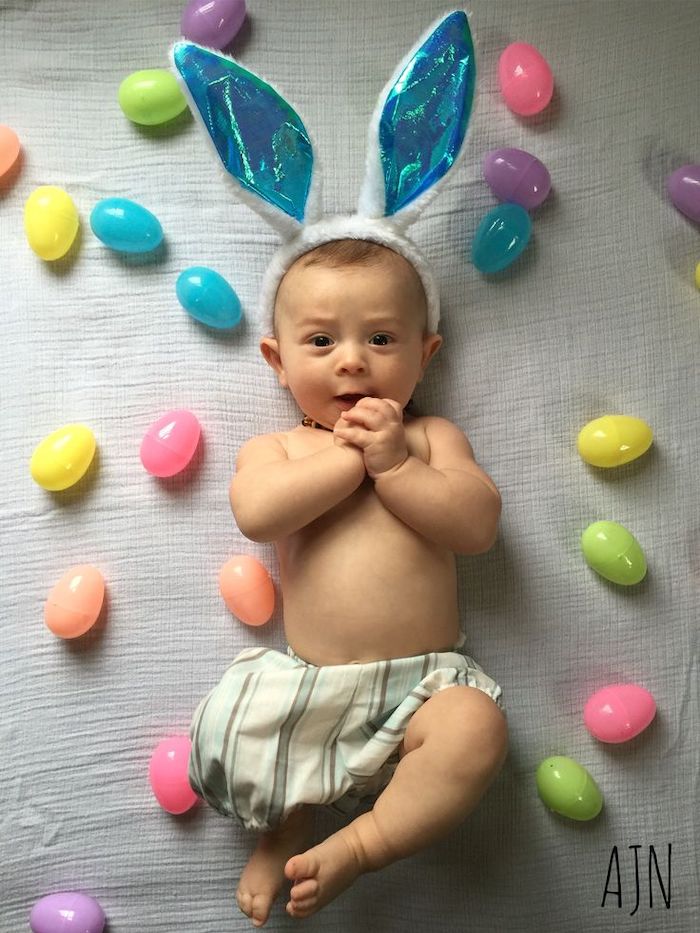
(348,332)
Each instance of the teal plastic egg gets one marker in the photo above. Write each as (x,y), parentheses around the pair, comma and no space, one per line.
(125,226)
(568,789)
(501,237)
(613,552)
(208,298)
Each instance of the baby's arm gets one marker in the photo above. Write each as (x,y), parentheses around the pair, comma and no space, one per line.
(451,500)
(272,496)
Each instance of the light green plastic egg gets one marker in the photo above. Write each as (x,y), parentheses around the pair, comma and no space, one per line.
(568,789)
(151,97)
(613,552)
(613,440)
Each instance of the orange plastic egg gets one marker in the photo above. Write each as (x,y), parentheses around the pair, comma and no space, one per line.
(9,150)
(247,589)
(75,602)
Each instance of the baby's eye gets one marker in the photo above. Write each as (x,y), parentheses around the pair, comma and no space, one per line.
(380,340)
(321,340)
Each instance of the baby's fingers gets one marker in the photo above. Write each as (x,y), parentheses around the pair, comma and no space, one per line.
(354,435)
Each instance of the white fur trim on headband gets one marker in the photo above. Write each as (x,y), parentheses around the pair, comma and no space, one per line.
(376,230)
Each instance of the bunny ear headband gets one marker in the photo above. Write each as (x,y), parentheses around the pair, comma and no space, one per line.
(415,137)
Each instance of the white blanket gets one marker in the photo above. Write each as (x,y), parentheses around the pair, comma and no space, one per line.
(600,315)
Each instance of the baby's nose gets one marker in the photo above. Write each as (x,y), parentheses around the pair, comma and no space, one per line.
(351,359)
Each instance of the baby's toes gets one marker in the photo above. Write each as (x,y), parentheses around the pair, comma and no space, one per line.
(262,904)
(245,902)
(305,865)
(304,890)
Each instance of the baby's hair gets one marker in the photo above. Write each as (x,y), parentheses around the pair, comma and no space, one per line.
(347,252)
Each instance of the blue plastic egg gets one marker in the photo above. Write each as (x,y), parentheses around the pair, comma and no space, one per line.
(208,297)
(125,226)
(501,237)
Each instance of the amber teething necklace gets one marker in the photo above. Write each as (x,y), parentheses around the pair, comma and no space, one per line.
(310,423)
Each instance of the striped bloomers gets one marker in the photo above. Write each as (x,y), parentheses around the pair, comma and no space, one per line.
(277,732)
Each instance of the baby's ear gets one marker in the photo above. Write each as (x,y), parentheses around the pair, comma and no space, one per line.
(431,344)
(269,347)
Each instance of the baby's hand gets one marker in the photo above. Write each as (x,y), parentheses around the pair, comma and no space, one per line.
(375,425)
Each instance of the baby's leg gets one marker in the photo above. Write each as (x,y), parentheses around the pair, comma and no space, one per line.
(453,748)
(263,876)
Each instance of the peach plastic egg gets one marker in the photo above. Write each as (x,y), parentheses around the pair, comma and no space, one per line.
(167,773)
(9,150)
(63,457)
(170,442)
(619,712)
(247,589)
(525,78)
(75,602)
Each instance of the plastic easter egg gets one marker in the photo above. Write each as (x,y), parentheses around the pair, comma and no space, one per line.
(247,589)
(125,226)
(151,97)
(208,298)
(697,275)
(684,190)
(63,457)
(75,602)
(50,222)
(613,440)
(614,553)
(213,23)
(67,912)
(501,237)
(619,712)
(170,442)
(9,150)
(526,80)
(515,175)
(568,789)
(167,773)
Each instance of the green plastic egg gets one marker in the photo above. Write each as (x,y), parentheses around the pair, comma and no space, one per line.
(151,97)
(568,789)
(613,440)
(613,552)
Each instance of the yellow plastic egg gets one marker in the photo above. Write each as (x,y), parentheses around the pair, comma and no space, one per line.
(613,440)
(63,457)
(697,275)
(50,222)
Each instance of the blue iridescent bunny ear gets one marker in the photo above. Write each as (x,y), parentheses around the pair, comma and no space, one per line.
(416,137)
(419,124)
(259,137)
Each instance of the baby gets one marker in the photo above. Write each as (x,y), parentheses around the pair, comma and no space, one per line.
(367,506)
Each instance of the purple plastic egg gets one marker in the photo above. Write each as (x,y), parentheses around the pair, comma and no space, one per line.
(67,912)
(684,190)
(213,23)
(516,176)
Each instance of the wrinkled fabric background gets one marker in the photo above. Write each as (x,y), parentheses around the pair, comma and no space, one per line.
(600,315)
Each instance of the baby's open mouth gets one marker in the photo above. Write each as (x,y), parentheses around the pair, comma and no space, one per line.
(352,397)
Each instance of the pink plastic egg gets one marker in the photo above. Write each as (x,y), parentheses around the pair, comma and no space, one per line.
(167,773)
(619,712)
(67,912)
(75,602)
(526,80)
(170,442)
(247,589)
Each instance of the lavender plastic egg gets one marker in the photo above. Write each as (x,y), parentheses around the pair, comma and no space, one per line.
(684,190)
(515,175)
(67,912)
(213,23)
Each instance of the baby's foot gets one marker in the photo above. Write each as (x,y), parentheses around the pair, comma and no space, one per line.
(263,876)
(323,872)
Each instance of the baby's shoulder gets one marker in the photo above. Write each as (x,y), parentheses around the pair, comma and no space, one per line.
(442,434)
(263,448)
